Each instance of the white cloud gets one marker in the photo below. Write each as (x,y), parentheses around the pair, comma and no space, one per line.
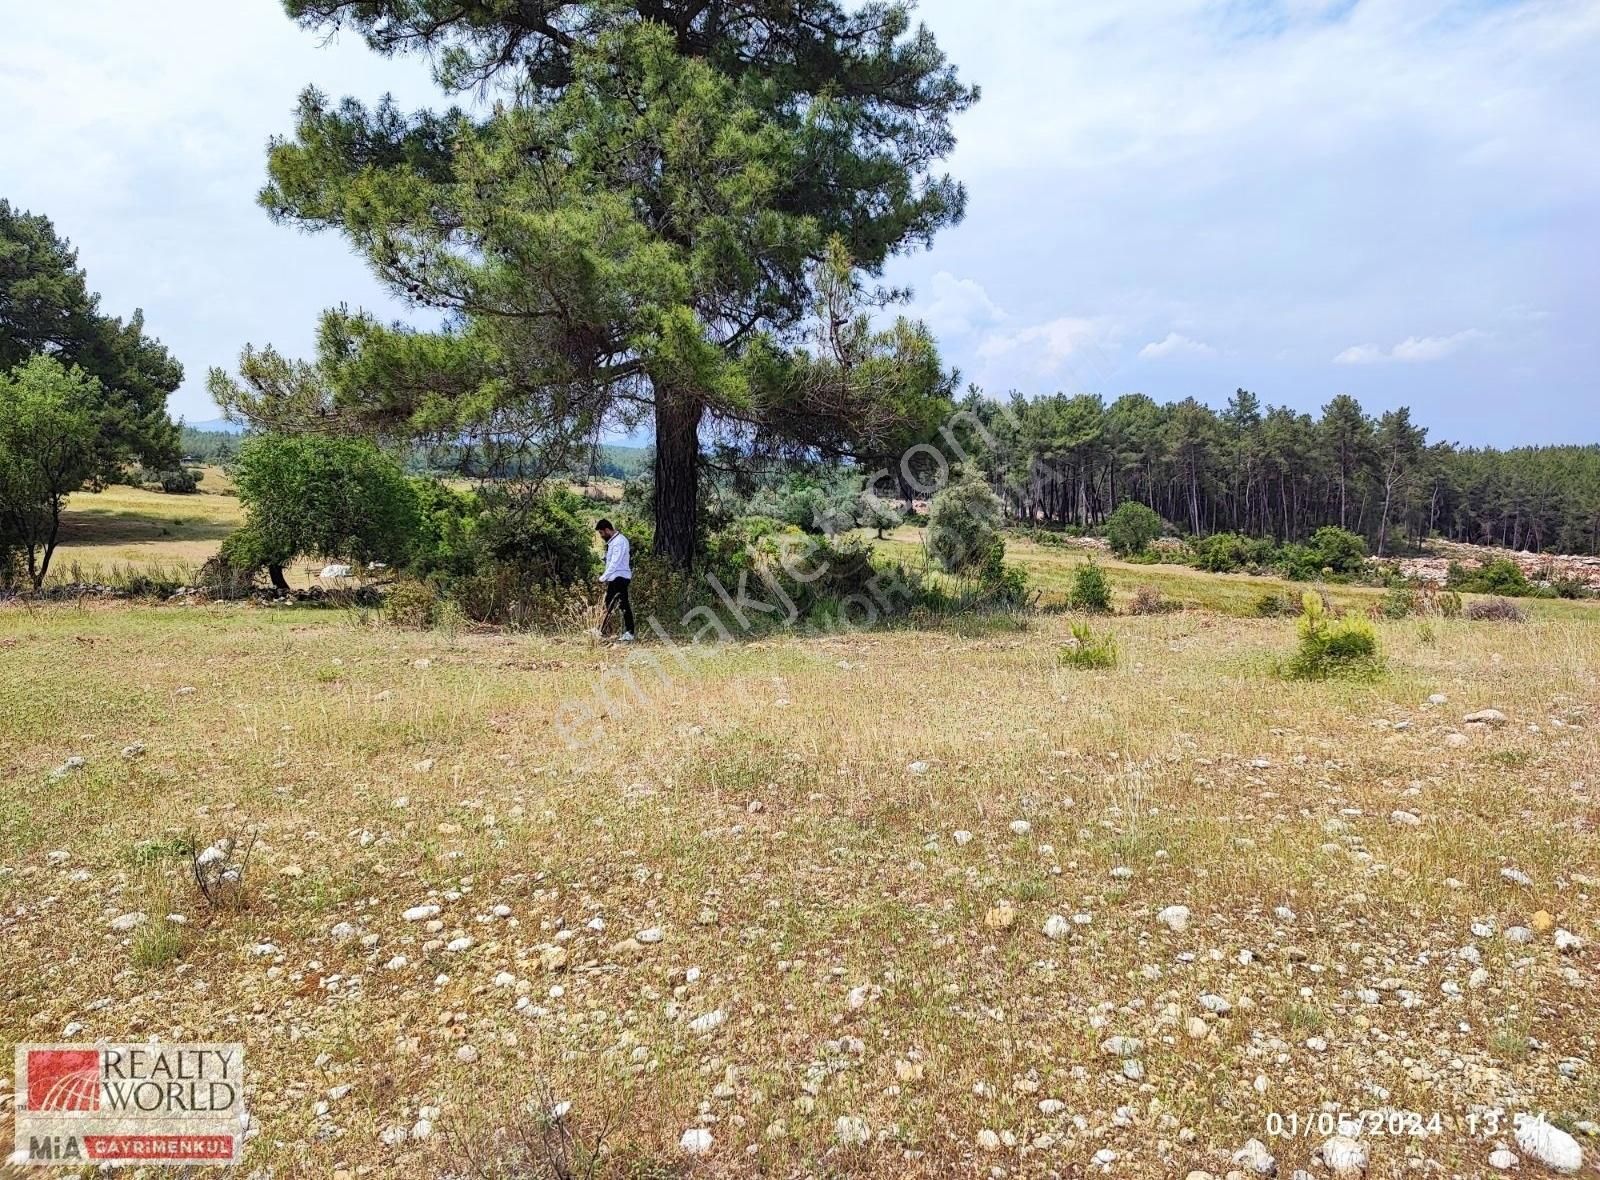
(1077,348)
(1411,350)
(957,307)
(1175,345)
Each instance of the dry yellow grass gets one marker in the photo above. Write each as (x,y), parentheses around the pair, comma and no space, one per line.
(784,813)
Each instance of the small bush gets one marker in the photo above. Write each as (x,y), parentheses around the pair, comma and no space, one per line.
(1091,590)
(412,605)
(1131,528)
(1338,550)
(1330,647)
(1496,610)
(1273,605)
(1399,603)
(223,581)
(1445,603)
(1227,553)
(963,521)
(1567,587)
(1005,585)
(1088,651)
(181,481)
(1148,600)
(1500,576)
(158,944)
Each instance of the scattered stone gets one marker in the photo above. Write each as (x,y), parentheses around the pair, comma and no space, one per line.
(421,913)
(1438,699)
(709,1022)
(1407,819)
(918,767)
(1255,1157)
(962,838)
(1549,1144)
(1456,741)
(649,935)
(1000,917)
(1347,1157)
(1485,717)
(851,1131)
(1503,1160)
(1516,876)
(553,958)
(696,1141)
(1196,1028)
(1021,827)
(456,945)
(466,1055)
(1567,942)
(129,921)
(1518,934)
(1056,927)
(343,932)
(1175,918)
(1215,1003)
(1120,1046)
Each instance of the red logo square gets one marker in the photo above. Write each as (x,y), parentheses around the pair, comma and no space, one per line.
(63,1079)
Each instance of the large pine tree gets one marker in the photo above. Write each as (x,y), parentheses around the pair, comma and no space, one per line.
(662,197)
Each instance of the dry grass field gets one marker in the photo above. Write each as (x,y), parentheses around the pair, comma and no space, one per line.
(893,903)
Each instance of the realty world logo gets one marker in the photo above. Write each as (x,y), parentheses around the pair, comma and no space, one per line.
(129,1104)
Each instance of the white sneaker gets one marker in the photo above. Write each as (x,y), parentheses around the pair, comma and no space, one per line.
(627,637)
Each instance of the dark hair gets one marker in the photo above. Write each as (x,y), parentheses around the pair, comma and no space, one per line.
(603,524)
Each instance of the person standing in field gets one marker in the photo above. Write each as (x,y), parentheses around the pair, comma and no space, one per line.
(617,576)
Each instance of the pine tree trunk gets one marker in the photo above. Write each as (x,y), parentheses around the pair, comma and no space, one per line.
(275,574)
(677,472)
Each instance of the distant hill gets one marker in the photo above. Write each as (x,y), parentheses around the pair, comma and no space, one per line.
(215,426)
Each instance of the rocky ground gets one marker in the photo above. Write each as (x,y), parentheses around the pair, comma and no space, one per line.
(918,904)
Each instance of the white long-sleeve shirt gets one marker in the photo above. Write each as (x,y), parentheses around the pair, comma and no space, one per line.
(617,563)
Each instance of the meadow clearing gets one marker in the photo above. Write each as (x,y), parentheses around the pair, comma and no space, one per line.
(894,903)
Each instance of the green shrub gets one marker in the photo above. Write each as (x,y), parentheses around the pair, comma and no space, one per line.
(1131,528)
(1447,603)
(543,538)
(1338,550)
(1332,647)
(1399,603)
(1091,590)
(1499,575)
(180,481)
(1496,610)
(1568,587)
(1272,605)
(412,605)
(963,522)
(1002,584)
(1227,553)
(1087,650)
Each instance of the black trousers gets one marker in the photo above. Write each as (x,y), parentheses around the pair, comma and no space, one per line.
(617,595)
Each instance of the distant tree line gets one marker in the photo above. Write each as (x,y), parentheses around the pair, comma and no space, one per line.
(1276,472)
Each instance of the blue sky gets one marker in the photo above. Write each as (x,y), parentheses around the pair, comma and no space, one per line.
(1391,199)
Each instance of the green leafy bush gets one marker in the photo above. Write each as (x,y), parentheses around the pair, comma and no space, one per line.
(1499,575)
(180,481)
(411,604)
(1399,603)
(324,497)
(543,538)
(1131,528)
(1087,650)
(1338,550)
(1272,605)
(1227,553)
(1332,647)
(1005,585)
(1091,589)
(963,522)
